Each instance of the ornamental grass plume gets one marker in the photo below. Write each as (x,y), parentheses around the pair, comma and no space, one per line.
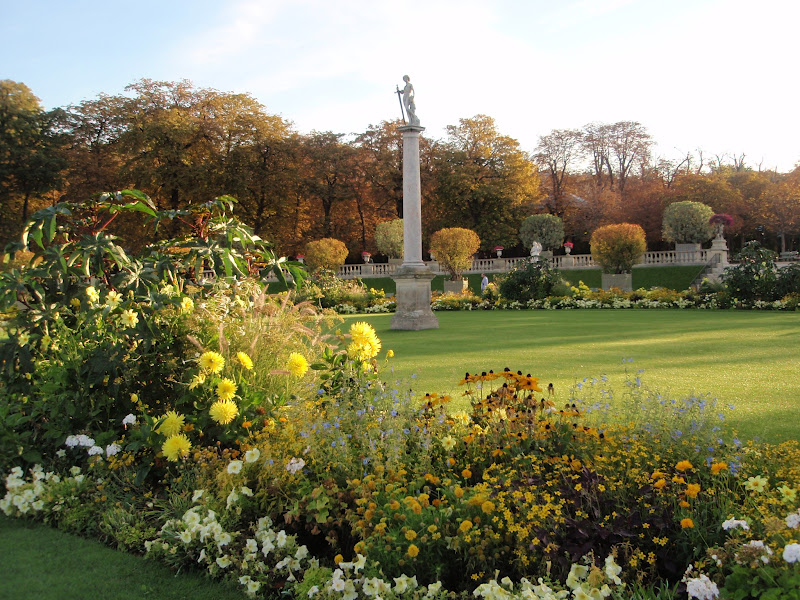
(176,447)
(223,411)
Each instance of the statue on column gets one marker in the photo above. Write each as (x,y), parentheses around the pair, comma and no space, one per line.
(408,101)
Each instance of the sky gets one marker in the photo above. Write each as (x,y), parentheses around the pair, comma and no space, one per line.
(719,76)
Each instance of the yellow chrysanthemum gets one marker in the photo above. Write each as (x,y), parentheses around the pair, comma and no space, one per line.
(223,411)
(226,389)
(465,526)
(692,490)
(687,523)
(244,360)
(411,535)
(171,424)
(365,342)
(488,507)
(297,364)
(390,353)
(197,380)
(413,551)
(176,447)
(212,362)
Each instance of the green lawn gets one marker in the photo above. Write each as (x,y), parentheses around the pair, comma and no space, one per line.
(749,359)
(40,563)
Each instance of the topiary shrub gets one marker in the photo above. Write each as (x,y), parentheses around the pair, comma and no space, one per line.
(453,248)
(688,223)
(531,281)
(327,253)
(389,238)
(616,248)
(546,229)
(789,280)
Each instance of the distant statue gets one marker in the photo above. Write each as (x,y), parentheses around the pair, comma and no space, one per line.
(408,101)
(536,250)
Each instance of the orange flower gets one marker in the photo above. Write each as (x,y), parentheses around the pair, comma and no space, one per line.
(413,550)
(717,467)
(692,490)
(660,484)
(687,523)
(684,465)
(683,504)
(466,473)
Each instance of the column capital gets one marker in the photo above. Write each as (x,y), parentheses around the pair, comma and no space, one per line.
(409,128)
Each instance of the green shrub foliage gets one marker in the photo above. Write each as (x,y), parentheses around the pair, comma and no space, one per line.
(529,281)
(389,238)
(688,223)
(755,277)
(547,229)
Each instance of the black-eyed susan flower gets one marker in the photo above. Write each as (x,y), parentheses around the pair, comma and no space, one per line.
(226,389)
(176,447)
(212,362)
(223,411)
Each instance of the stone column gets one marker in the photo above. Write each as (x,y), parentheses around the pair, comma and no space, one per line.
(413,278)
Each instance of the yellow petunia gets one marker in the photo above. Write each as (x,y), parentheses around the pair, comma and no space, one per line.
(297,364)
(244,360)
(212,362)
(226,389)
(223,411)
(171,424)
(176,447)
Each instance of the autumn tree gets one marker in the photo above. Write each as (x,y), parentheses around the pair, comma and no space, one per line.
(30,163)
(615,149)
(484,181)
(557,155)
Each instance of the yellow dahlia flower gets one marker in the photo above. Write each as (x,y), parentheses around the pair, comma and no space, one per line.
(176,447)
(223,411)
(244,360)
(212,362)
(197,380)
(226,389)
(297,364)
(171,424)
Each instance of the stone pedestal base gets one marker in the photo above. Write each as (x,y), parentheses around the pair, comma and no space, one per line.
(623,281)
(455,287)
(413,294)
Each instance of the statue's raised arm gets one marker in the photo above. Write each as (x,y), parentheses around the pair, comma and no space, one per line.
(408,101)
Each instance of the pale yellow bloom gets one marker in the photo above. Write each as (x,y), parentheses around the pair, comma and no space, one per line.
(226,389)
(171,423)
(187,304)
(176,447)
(244,360)
(129,318)
(223,411)
(212,362)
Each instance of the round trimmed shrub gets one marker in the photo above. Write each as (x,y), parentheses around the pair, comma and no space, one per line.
(616,248)
(688,223)
(327,253)
(531,281)
(546,229)
(453,248)
(389,238)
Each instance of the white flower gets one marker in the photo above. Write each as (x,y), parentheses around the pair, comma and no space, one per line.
(251,545)
(252,455)
(253,587)
(793,520)
(702,588)
(281,539)
(224,562)
(791,553)
(613,570)
(313,591)
(401,584)
(196,495)
(295,464)
(302,552)
(733,524)
(112,449)
(71,441)
(95,450)
(235,467)
(129,420)
(433,589)
(246,491)
(337,585)
(232,498)
(186,536)
(61,453)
